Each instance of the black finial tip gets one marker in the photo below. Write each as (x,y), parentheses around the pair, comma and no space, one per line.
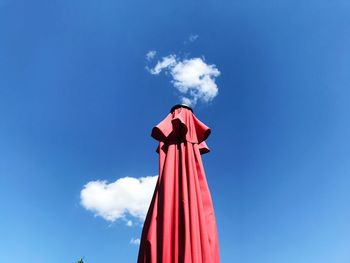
(180,106)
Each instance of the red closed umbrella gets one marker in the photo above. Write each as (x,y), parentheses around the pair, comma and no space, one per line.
(180,224)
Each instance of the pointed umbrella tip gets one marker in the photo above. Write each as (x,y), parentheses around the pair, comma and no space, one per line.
(182,105)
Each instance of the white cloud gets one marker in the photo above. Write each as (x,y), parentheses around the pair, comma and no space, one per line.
(151,54)
(134,241)
(193,78)
(166,62)
(186,101)
(192,38)
(197,78)
(126,196)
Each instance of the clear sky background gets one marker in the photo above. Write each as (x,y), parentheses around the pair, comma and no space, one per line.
(77,105)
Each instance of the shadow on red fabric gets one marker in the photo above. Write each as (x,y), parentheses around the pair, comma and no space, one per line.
(180,225)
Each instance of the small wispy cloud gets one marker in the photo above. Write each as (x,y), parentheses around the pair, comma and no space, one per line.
(166,62)
(192,38)
(193,78)
(151,54)
(134,241)
(126,197)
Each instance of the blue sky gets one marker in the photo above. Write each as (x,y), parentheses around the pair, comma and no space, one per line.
(77,105)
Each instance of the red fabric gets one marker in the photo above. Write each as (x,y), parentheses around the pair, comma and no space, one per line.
(180,224)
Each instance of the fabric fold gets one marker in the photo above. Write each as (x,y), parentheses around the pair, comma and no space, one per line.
(182,125)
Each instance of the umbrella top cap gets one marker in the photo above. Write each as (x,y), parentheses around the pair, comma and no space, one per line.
(180,106)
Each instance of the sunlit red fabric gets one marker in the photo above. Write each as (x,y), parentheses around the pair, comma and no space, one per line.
(180,224)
